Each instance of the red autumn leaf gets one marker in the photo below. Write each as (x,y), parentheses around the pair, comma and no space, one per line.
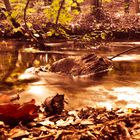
(15,112)
(26,109)
(8,99)
(4,99)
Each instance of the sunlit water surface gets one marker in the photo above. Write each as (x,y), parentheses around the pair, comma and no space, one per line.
(119,88)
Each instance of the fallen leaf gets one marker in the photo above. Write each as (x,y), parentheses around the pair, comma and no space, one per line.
(18,133)
(54,105)
(61,123)
(2,124)
(7,99)
(4,99)
(12,112)
(47,122)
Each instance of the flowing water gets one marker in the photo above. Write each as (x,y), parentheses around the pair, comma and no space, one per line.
(119,88)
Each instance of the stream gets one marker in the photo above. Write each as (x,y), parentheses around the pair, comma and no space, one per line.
(120,87)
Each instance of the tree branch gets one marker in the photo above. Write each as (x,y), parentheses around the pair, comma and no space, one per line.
(124,52)
(59,10)
(25,11)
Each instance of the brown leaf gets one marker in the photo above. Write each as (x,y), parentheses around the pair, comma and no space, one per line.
(124,132)
(54,105)
(18,133)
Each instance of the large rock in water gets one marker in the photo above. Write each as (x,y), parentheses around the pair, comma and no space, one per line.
(86,65)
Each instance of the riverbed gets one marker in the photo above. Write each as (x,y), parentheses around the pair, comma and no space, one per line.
(120,87)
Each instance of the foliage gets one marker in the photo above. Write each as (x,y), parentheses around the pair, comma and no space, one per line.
(70,9)
(52,13)
(63,18)
(106,0)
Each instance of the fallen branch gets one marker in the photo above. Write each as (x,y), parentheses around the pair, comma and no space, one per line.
(124,52)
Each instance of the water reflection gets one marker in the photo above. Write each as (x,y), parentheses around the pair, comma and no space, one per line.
(130,57)
(119,88)
(129,94)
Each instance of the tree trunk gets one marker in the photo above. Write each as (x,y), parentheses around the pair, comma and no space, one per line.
(96,8)
(7,5)
(9,10)
(126,6)
(59,10)
(137,9)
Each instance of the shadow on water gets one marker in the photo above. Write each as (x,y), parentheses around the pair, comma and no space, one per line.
(119,88)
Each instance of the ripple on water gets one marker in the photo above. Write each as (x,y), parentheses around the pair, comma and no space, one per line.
(130,95)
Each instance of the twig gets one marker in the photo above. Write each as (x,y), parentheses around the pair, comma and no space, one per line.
(124,52)
(124,131)
(16,97)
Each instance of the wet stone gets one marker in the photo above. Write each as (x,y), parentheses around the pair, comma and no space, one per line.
(89,64)
(77,66)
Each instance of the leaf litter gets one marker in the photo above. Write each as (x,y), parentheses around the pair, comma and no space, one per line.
(51,121)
